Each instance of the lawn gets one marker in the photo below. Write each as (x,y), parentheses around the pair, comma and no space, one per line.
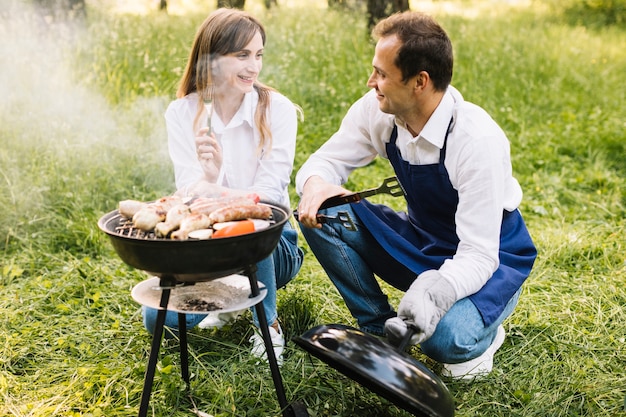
(82,128)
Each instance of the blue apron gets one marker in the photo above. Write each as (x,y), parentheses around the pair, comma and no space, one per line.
(426,237)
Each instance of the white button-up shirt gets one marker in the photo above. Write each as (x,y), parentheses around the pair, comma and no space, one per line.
(477,160)
(267,172)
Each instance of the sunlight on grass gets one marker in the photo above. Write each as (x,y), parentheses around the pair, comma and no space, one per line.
(82,128)
(185,7)
(468,9)
(473,9)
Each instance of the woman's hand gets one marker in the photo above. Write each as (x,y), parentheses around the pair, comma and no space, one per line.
(204,188)
(209,154)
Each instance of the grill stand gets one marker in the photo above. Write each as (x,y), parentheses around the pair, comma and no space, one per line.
(168,282)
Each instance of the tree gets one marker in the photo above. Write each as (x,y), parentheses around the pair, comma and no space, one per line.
(379,9)
(347,4)
(63,9)
(237,4)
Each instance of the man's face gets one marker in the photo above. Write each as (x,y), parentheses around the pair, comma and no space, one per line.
(237,71)
(393,95)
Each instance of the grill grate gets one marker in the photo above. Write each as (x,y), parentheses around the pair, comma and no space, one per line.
(126,228)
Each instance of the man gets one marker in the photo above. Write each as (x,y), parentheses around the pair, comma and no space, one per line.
(461,251)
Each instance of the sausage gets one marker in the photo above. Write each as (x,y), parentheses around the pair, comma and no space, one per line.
(128,208)
(168,202)
(209,205)
(145,216)
(240,212)
(189,224)
(148,217)
(173,219)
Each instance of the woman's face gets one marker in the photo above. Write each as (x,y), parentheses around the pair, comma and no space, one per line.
(235,73)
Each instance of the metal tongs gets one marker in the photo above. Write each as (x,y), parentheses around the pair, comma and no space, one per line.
(342,217)
(390,186)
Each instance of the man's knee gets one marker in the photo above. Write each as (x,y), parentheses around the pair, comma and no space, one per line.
(452,344)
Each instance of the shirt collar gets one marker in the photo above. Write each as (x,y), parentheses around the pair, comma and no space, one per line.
(436,127)
(245,114)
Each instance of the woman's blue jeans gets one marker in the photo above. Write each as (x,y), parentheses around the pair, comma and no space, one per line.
(461,334)
(274,272)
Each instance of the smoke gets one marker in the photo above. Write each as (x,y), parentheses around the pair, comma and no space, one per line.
(40,95)
(39,98)
(54,130)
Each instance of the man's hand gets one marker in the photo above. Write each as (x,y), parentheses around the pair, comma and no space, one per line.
(314,193)
(425,302)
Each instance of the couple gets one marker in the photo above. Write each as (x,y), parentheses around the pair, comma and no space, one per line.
(460,252)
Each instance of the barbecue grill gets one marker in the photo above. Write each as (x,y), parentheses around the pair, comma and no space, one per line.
(188,262)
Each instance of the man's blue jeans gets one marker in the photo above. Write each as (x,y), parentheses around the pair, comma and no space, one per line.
(274,272)
(460,336)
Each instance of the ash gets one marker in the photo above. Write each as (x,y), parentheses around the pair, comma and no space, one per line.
(200,305)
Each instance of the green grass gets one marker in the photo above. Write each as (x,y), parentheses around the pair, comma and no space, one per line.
(82,128)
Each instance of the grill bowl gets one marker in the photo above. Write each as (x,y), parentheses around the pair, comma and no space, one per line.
(195,260)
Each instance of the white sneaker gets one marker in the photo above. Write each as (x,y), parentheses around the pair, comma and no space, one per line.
(278,342)
(219,320)
(477,367)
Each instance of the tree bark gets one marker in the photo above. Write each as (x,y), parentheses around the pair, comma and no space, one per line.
(237,4)
(379,9)
(356,5)
(63,9)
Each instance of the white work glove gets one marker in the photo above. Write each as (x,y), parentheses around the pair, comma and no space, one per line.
(425,302)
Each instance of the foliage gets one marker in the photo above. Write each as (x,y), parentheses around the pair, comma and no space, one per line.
(595,13)
(82,128)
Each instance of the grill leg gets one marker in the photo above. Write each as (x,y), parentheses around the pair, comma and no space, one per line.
(154,353)
(267,338)
(184,353)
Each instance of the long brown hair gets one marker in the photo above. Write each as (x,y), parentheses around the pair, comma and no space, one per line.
(223,32)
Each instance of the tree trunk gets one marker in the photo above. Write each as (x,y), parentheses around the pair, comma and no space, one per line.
(356,5)
(237,4)
(63,9)
(379,9)
(163,5)
(269,3)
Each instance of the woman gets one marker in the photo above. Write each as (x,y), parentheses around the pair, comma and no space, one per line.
(230,134)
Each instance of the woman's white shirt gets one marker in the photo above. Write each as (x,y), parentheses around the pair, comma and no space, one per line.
(245,167)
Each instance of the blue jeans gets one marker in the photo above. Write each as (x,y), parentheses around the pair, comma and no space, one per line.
(460,336)
(274,272)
